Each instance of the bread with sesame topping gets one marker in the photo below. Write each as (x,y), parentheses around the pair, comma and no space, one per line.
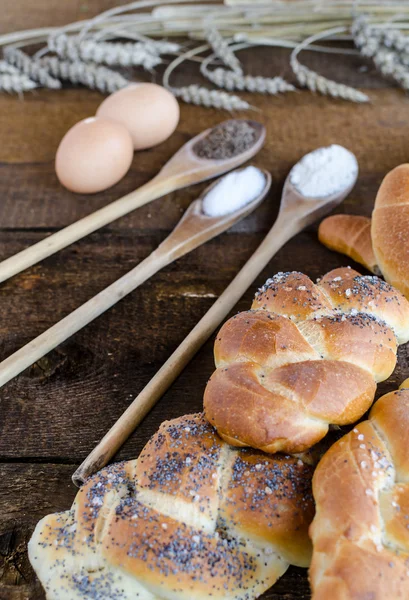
(306,356)
(192,517)
(360,532)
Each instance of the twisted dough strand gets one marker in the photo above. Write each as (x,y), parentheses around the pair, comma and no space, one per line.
(306,356)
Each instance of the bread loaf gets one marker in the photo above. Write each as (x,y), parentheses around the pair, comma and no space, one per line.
(380,244)
(360,532)
(350,235)
(390,228)
(191,518)
(304,357)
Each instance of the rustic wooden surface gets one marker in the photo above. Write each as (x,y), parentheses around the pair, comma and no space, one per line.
(53,414)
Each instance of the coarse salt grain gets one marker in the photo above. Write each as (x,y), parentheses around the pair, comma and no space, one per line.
(324,172)
(234,191)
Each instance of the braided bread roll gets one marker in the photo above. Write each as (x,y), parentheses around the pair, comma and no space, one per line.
(360,532)
(191,518)
(305,356)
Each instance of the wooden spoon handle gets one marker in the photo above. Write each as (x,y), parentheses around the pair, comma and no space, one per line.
(30,256)
(79,318)
(152,392)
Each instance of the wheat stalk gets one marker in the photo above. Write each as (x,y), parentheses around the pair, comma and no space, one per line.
(30,67)
(386,60)
(125,55)
(221,49)
(233,81)
(318,83)
(201,96)
(16,83)
(6,67)
(92,76)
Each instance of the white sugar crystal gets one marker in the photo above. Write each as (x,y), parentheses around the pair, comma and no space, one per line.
(164,526)
(258,467)
(234,191)
(369,492)
(362,446)
(363,464)
(196,539)
(188,460)
(268,491)
(348,292)
(361,436)
(324,172)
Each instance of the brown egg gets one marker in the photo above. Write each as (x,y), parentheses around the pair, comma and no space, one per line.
(93,155)
(148,111)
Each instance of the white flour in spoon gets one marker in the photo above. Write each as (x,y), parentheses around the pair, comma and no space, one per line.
(234,191)
(324,172)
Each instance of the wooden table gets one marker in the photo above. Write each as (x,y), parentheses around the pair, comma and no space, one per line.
(54,413)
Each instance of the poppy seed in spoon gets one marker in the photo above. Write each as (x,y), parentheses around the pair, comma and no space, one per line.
(227,140)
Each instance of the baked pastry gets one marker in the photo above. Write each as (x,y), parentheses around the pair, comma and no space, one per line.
(350,235)
(305,356)
(360,532)
(380,244)
(390,228)
(190,518)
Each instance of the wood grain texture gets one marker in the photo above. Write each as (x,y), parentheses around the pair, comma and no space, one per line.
(54,413)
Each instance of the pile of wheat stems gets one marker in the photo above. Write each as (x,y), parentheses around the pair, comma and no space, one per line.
(96,52)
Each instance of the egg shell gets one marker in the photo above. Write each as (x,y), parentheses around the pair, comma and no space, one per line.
(93,155)
(149,112)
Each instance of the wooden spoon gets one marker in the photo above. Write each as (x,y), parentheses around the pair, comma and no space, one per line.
(183,169)
(296,213)
(194,229)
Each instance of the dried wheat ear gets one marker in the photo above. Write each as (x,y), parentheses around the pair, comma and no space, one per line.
(221,49)
(109,53)
(235,81)
(92,76)
(201,96)
(30,68)
(387,49)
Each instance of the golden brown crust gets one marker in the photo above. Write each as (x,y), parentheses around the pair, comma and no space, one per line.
(350,235)
(286,409)
(306,356)
(191,517)
(390,228)
(360,534)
